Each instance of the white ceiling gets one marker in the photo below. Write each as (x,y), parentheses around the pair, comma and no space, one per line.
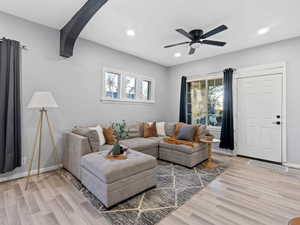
(155,22)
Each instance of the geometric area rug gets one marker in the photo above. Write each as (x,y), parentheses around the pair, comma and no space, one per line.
(175,185)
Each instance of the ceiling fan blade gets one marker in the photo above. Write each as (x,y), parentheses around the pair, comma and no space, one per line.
(192,51)
(184,33)
(217,43)
(214,31)
(182,43)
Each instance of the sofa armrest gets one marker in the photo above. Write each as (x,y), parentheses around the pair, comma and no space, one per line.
(76,146)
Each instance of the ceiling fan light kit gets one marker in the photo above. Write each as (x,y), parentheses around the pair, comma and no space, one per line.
(198,37)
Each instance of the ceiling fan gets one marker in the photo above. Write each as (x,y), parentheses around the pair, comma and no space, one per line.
(198,37)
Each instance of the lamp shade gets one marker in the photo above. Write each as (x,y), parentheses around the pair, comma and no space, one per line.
(42,100)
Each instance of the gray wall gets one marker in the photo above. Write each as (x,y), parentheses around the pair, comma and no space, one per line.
(285,51)
(75,82)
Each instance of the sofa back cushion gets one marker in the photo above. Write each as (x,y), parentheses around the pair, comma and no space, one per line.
(135,130)
(91,135)
(170,128)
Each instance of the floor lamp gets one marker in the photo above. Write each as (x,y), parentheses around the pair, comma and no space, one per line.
(41,101)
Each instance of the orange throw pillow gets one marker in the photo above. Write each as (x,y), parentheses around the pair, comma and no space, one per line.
(109,137)
(196,137)
(177,129)
(150,130)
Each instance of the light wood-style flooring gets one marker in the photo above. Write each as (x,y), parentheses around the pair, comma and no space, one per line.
(248,192)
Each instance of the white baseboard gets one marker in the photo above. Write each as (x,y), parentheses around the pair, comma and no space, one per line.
(292,165)
(33,172)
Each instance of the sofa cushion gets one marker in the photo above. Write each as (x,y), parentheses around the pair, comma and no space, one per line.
(157,139)
(109,171)
(140,143)
(183,148)
(133,130)
(170,129)
(106,147)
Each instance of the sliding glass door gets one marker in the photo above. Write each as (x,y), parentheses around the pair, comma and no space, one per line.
(205,102)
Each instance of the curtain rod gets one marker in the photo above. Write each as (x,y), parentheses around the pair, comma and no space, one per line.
(24,47)
(221,71)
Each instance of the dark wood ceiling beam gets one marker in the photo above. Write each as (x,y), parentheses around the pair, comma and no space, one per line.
(70,32)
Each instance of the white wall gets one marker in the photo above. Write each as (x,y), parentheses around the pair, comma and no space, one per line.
(285,51)
(75,82)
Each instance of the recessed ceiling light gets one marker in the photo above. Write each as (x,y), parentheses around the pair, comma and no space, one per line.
(263,30)
(177,54)
(130,33)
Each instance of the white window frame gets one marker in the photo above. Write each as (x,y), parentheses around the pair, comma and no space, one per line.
(206,79)
(124,88)
(138,78)
(104,84)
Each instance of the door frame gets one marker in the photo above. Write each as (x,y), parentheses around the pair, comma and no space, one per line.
(263,70)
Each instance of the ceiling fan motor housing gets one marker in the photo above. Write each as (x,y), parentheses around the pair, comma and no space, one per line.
(196,34)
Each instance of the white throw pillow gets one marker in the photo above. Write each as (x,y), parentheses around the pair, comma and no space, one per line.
(100,134)
(160,128)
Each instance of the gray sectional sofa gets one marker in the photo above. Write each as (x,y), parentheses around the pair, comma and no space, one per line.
(78,146)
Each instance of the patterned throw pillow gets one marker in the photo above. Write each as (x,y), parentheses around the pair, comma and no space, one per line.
(92,135)
(160,127)
(99,130)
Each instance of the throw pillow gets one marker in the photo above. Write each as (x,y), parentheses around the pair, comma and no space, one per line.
(177,129)
(110,139)
(187,133)
(100,133)
(150,130)
(92,136)
(160,128)
(154,129)
(170,128)
(197,134)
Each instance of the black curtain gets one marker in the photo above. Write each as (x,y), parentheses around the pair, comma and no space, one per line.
(10,107)
(227,136)
(182,109)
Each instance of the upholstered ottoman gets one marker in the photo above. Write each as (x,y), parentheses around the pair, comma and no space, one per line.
(182,154)
(113,181)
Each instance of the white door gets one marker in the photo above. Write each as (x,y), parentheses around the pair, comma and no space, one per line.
(259,112)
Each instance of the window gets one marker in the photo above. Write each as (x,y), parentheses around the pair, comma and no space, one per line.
(146,90)
(112,85)
(205,102)
(127,87)
(130,87)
